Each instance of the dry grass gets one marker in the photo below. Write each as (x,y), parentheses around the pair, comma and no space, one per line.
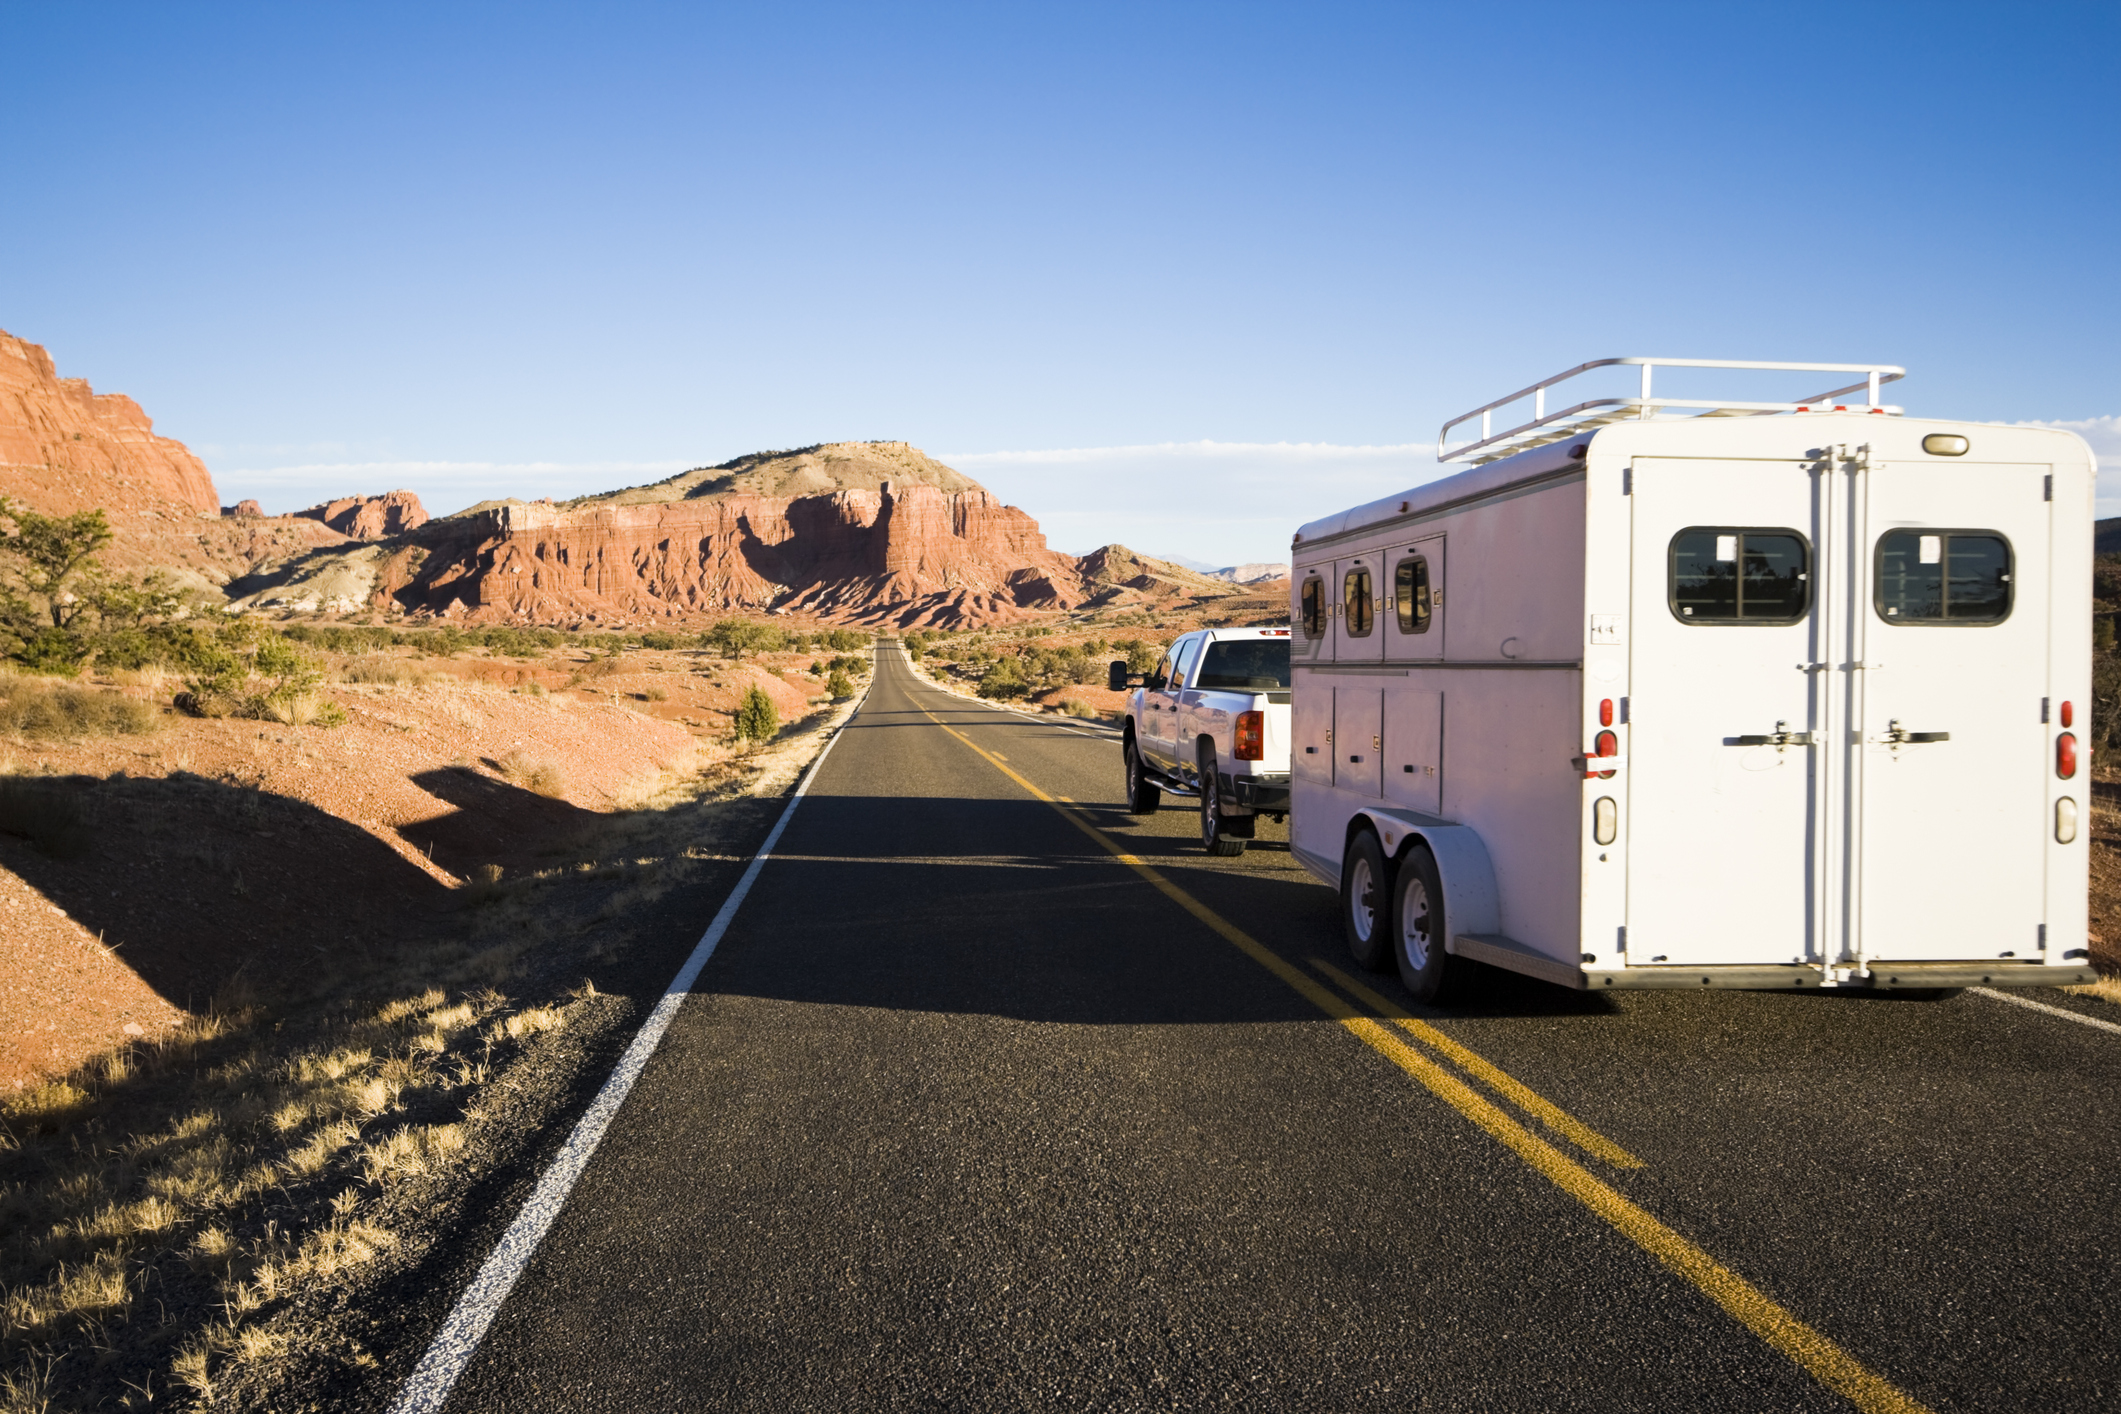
(2106,989)
(41,710)
(539,777)
(384,672)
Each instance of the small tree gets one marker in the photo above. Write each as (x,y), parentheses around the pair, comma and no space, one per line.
(1004,679)
(839,685)
(51,556)
(755,718)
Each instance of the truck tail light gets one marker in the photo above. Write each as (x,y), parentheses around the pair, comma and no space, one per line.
(2065,820)
(1251,737)
(2066,756)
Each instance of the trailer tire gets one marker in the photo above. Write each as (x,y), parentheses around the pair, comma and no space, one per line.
(1365,902)
(1142,797)
(1214,838)
(1417,928)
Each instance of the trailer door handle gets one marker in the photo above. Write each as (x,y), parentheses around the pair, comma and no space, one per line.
(1778,738)
(1896,734)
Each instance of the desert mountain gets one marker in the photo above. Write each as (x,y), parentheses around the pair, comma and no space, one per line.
(65,448)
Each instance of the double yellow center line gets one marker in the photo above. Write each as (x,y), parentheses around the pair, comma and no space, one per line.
(1819,1356)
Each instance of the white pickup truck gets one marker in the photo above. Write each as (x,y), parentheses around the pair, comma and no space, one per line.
(1211,721)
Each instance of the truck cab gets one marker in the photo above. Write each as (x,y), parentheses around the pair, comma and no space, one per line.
(1211,721)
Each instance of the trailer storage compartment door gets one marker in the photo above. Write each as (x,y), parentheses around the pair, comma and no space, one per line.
(1950,778)
(1719,776)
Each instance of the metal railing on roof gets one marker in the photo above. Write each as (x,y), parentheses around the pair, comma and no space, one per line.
(1546,427)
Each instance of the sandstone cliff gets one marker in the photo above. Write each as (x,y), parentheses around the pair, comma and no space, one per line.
(367,517)
(66,448)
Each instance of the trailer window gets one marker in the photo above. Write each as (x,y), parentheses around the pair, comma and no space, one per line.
(1410,591)
(1257,664)
(1355,598)
(1943,577)
(1724,574)
(1314,607)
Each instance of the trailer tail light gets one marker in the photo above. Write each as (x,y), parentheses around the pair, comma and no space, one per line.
(2069,714)
(2065,820)
(1605,820)
(1605,712)
(1251,737)
(1608,745)
(2066,756)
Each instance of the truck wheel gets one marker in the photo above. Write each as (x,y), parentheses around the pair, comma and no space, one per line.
(1213,837)
(1142,797)
(1417,928)
(1365,893)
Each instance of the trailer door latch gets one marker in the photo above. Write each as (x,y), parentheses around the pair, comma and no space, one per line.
(1780,738)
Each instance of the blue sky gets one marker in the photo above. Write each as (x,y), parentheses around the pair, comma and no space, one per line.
(1177,276)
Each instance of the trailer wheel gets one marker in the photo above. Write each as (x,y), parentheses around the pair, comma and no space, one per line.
(1417,927)
(1365,902)
(1213,836)
(1142,797)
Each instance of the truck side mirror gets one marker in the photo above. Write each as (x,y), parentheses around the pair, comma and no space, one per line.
(1118,679)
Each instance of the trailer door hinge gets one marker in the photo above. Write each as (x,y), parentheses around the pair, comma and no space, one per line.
(2047,490)
(1627,480)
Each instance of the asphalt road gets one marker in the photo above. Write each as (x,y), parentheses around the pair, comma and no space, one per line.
(968,1113)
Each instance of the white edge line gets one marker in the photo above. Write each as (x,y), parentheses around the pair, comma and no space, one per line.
(430,1383)
(2077,1016)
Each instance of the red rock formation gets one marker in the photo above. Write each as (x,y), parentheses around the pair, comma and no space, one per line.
(368,517)
(902,554)
(79,443)
(246,508)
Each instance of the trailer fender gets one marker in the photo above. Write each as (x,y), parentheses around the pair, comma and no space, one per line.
(1471,903)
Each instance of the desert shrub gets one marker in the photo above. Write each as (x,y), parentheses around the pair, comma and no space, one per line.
(59,652)
(1074,707)
(733,638)
(1140,656)
(853,666)
(390,672)
(538,777)
(656,693)
(817,669)
(168,645)
(35,709)
(839,685)
(50,814)
(1004,678)
(660,641)
(251,671)
(842,640)
(756,719)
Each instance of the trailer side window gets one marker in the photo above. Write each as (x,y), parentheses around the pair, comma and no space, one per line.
(1356,613)
(1314,607)
(1410,590)
(1739,575)
(1943,577)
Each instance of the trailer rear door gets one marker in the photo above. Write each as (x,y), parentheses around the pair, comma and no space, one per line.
(1719,775)
(1949,782)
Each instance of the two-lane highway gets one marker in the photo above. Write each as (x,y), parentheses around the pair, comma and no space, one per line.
(997,1097)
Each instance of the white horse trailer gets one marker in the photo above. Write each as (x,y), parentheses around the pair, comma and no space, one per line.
(1707,694)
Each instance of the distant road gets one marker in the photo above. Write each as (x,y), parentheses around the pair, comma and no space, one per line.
(970,1112)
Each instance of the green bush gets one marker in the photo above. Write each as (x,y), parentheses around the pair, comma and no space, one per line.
(839,685)
(59,652)
(1004,679)
(251,671)
(733,638)
(660,641)
(756,720)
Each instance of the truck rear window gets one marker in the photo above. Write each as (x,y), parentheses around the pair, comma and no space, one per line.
(1943,577)
(1255,664)
(1725,574)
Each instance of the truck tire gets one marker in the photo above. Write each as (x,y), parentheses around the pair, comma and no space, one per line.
(1142,797)
(1417,928)
(1213,836)
(1365,894)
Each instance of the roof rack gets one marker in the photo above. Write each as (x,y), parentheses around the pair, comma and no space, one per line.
(1548,427)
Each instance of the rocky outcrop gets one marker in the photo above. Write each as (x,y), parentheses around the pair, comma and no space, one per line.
(245,509)
(368,517)
(79,442)
(903,553)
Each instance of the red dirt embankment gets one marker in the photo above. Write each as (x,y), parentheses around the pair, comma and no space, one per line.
(224,853)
